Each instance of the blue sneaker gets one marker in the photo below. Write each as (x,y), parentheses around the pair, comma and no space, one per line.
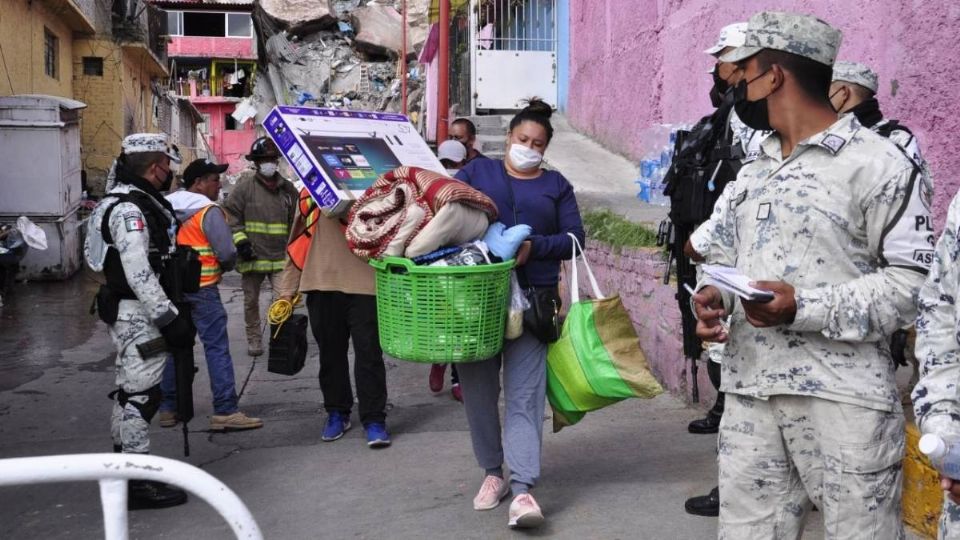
(337,424)
(377,436)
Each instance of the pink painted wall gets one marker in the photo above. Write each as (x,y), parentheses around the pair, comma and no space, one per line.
(211,47)
(637,275)
(228,146)
(639,62)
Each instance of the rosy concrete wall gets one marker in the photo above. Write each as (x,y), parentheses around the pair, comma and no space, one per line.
(639,62)
(637,275)
(211,47)
(228,146)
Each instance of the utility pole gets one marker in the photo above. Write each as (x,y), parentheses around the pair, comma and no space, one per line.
(403,63)
(443,92)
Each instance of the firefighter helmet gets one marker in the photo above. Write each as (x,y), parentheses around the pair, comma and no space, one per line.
(263,149)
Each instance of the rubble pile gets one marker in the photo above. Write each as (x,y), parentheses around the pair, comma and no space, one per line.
(335,53)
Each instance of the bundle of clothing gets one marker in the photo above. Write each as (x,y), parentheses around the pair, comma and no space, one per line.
(410,212)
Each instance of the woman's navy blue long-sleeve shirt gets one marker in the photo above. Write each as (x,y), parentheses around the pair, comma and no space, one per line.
(546,203)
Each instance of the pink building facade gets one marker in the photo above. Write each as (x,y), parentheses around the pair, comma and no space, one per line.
(634,63)
(212,55)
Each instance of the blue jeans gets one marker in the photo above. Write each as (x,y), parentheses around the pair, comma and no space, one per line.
(210,318)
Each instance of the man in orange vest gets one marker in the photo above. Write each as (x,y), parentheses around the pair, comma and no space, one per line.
(204,228)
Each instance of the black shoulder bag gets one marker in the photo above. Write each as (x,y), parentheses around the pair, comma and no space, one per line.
(542,318)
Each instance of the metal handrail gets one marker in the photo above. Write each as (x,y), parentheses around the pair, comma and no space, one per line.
(112,472)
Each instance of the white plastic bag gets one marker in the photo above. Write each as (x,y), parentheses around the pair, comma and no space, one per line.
(518,304)
(32,234)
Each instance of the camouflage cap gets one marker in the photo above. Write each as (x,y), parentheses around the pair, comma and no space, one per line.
(731,35)
(150,142)
(856,73)
(803,35)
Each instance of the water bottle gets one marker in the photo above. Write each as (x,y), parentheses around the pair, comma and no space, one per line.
(944,456)
(644,181)
(662,185)
(646,171)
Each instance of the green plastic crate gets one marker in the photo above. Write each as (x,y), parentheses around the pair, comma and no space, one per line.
(441,314)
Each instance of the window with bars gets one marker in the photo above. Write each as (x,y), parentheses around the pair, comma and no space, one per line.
(51,54)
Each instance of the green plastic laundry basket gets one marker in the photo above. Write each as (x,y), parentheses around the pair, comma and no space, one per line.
(441,314)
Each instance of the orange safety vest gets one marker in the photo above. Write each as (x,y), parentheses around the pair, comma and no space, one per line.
(303,230)
(191,234)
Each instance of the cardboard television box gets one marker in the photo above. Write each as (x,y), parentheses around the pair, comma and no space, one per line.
(338,154)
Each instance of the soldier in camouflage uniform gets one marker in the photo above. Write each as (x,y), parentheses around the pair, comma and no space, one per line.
(935,399)
(854,91)
(130,235)
(832,217)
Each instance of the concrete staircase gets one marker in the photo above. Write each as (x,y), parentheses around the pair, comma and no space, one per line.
(491,134)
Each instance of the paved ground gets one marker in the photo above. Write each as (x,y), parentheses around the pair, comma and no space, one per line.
(602,179)
(622,473)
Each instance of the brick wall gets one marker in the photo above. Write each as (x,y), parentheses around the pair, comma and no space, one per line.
(22,25)
(101,124)
(119,102)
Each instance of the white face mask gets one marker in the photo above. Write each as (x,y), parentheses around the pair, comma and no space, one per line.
(268,169)
(524,158)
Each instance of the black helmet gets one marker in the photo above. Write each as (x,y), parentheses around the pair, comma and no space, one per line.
(263,148)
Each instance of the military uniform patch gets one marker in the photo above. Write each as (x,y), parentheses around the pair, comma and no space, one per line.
(133,221)
(833,142)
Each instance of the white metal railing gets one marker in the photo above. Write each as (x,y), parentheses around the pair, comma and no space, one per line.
(113,471)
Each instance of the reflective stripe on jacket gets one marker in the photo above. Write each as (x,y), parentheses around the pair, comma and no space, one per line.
(262,216)
(191,234)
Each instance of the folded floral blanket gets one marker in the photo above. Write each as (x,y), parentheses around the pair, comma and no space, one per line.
(411,211)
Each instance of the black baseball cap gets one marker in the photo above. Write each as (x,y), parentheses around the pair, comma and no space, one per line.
(200,167)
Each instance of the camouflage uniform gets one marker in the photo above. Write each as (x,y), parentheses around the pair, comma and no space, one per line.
(138,321)
(815,414)
(935,399)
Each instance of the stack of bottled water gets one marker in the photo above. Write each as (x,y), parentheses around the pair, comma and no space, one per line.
(654,167)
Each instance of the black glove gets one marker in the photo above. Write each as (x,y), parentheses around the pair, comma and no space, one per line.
(180,332)
(245,250)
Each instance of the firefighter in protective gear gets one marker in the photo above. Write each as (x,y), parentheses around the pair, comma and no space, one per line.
(204,228)
(260,210)
(131,238)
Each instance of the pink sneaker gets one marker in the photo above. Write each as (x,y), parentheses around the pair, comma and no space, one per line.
(436,377)
(493,490)
(525,512)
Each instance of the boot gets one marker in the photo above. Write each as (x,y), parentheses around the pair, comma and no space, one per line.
(708,424)
(147,494)
(704,505)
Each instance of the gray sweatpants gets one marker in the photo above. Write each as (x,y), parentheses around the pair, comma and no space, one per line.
(524,387)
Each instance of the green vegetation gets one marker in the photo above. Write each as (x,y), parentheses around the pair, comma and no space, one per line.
(616,231)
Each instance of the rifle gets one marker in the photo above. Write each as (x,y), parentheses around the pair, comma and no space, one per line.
(181,275)
(675,238)
(686,204)
(184,371)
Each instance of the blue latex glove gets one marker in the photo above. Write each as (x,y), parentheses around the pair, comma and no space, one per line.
(504,242)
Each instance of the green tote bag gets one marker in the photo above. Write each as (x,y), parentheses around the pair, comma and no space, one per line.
(597,361)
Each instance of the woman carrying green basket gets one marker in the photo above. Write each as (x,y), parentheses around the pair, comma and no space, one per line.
(544,201)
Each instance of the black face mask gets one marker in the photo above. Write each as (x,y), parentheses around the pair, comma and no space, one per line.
(836,110)
(167,182)
(755,114)
(719,88)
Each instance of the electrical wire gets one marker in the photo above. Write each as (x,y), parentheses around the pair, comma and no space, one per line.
(280,311)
